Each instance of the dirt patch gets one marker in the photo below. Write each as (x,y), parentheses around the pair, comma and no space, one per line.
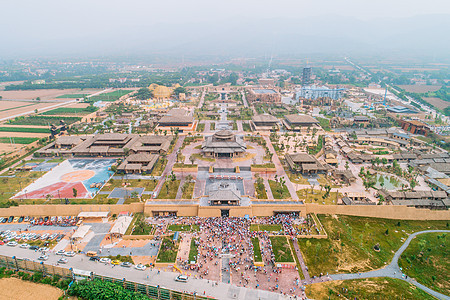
(420,88)
(8,105)
(13,288)
(439,103)
(26,109)
(23,134)
(43,94)
(78,105)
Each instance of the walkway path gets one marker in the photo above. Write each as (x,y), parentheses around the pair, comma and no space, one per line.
(393,270)
(280,170)
(301,261)
(268,190)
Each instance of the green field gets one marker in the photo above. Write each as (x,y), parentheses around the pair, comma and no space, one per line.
(168,250)
(373,288)
(279,191)
(427,260)
(24,129)
(193,251)
(349,247)
(256,250)
(281,249)
(265,227)
(169,189)
(179,227)
(149,185)
(69,111)
(18,140)
(41,120)
(112,96)
(72,96)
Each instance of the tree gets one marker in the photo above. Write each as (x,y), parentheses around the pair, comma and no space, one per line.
(134,195)
(75,192)
(346,165)
(143,94)
(114,168)
(126,151)
(192,159)
(179,90)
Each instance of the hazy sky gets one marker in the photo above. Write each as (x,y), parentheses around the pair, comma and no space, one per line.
(39,25)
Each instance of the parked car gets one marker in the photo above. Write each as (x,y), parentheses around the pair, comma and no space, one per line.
(182,278)
(21,219)
(12,244)
(105,260)
(43,257)
(25,246)
(70,254)
(44,249)
(10,219)
(63,260)
(115,262)
(5,220)
(126,264)
(60,252)
(140,267)
(94,258)
(33,248)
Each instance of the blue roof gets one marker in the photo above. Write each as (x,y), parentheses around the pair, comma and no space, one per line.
(264,91)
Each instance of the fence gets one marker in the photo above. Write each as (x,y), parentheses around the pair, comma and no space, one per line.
(153,292)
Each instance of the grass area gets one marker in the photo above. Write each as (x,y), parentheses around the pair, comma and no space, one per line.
(10,186)
(212,126)
(281,249)
(112,96)
(199,156)
(159,167)
(324,123)
(200,127)
(372,288)
(182,165)
(169,189)
(122,258)
(351,241)
(316,196)
(195,227)
(234,125)
(18,140)
(264,166)
(323,180)
(149,185)
(265,227)
(69,111)
(179,227)
(256,250)
(41,120)
(56,160)
(193,251)
(72,96)
(246,127)
(24,129)
(260,191)
(426,260)
(296,178)
(279,191)
(168,250)
(188,190)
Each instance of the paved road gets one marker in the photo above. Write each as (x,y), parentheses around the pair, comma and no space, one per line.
(392,270)
(151,277)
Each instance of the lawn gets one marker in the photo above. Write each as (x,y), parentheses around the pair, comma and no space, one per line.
(256,250)
(324,123)
(169,189)
(316,196)
(246,127)
(351,240)
(212,126)
(179,227)
(112,96)
(200,127)
(279,191)
(188,190)
(427,260)
(18,140)
(24,129)
(168,250)
(260,191)
(372,288)
(265,227)
(10,186)
(199,156)
(193,251)
(281,249)
(159,167)
(297,178)
(148,184)
(140,226)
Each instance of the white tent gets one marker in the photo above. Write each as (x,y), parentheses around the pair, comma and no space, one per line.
(93,214)
(121,225)
(81,232)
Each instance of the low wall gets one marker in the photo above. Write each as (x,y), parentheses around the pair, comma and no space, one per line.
(185,169)
(67,210)
(138,237)
(400,212)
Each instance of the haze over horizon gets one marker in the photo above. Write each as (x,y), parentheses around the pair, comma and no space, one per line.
(104,28)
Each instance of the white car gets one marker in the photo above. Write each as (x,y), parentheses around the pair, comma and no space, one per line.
(25,246)
(60,252)
(63,260)
(44,249)
(182,278)
(70,254)
(105,260)
(12,244)
(43,257)
(140,267)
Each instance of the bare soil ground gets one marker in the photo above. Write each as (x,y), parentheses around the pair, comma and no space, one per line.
(23,134)
(439,103)
(43,94)
(414,88)
(13,288)
(20,110)
(78,105)
(5,148)
(7,105)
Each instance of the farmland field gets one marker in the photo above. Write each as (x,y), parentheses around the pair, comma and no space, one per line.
(69,111)
(436,102)
(72,96)
(43,120)
(112,96)
(43,93)
(420,88)
(12,108)
(18,140)
(24,129)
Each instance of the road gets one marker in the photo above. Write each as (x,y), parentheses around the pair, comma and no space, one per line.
(150,277)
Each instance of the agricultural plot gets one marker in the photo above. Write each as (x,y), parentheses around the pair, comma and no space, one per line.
(70,111)
(24,129)
(437,102)
(112,96)
(18,140)
(43,120)
(72,96)
(413,88)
